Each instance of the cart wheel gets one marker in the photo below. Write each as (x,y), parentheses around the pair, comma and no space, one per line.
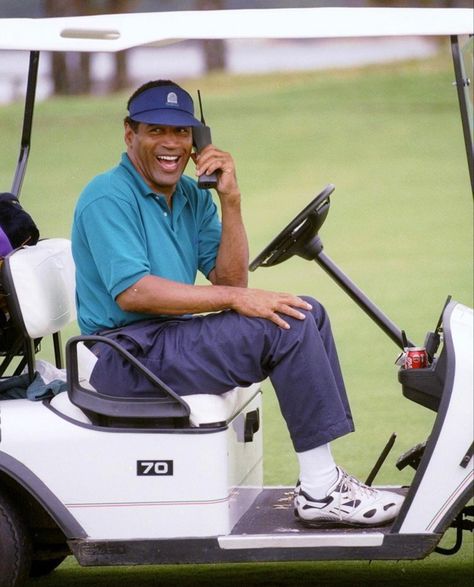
(15,546)
(40,568)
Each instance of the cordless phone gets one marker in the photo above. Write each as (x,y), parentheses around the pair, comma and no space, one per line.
(201,138)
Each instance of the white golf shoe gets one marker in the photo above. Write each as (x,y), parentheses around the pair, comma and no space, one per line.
(348,503)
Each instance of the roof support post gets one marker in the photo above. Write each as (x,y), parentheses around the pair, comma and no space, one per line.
(27,123)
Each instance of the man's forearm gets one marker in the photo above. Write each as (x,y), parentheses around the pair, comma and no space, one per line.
(233,255)
(155,295)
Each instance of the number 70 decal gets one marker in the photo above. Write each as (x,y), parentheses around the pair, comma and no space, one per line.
(154,468)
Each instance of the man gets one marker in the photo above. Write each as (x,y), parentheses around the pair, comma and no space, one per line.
(141,232)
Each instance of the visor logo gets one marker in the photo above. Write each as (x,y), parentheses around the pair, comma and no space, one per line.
(172,99)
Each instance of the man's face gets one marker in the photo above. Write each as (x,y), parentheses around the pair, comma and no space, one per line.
(159,153)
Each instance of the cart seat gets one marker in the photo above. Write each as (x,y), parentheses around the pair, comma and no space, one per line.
(206,410)
(40,283)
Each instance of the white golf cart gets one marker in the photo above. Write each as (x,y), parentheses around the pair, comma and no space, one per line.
(118,481)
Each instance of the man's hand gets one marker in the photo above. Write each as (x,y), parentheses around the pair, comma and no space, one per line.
(268,304)
(156,295)
(212,160)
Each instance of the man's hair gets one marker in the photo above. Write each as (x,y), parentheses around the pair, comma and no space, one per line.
(151,84)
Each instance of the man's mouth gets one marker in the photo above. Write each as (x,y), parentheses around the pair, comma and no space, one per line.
(168,162)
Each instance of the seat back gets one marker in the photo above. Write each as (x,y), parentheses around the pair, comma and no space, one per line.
(40,284)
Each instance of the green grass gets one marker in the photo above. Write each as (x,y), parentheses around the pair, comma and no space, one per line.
(400,225)
(436,571)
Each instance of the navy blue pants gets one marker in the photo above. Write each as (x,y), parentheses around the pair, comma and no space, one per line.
(217,352)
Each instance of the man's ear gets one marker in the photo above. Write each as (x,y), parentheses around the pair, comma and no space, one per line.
(128,134)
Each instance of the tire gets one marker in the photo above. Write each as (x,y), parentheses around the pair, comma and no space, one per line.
(15,546)
(39,568)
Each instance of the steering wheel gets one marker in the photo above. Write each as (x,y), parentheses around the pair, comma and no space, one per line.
(298,234)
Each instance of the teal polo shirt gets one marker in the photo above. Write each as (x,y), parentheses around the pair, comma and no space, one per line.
(122,232)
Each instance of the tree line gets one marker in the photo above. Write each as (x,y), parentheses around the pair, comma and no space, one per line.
(71,72)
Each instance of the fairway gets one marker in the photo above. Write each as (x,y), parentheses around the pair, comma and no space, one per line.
(400,225)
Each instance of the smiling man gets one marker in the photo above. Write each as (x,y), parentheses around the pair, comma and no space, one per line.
(141,232)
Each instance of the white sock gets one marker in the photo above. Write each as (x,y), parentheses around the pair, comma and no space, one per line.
(317,471)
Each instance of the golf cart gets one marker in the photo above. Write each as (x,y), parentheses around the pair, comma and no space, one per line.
(121,481)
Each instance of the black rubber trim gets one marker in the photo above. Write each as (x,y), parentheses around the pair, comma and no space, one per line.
(40,492)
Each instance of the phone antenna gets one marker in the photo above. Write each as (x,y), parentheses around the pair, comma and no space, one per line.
(200,107)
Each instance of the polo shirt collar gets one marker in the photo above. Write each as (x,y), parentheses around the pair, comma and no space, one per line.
(141,184)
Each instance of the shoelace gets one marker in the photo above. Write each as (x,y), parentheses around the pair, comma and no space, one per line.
(354,488)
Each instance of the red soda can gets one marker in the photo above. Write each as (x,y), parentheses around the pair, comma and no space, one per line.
(416,358)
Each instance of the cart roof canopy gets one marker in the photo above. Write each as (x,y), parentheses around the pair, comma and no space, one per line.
(115,32)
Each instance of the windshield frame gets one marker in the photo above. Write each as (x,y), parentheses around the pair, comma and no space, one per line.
(464,87)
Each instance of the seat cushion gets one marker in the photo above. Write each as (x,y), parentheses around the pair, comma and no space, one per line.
(205,408)
(211,409)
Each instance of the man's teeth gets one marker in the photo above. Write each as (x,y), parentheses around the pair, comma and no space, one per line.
(168,157)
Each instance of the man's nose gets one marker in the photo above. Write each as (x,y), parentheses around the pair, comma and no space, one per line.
(170,138)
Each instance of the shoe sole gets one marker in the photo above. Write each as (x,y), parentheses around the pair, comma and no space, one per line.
(329,524)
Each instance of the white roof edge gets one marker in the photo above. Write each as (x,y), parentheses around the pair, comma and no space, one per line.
(115,32)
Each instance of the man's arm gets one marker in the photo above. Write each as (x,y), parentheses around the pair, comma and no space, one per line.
(233,256)
(156,295)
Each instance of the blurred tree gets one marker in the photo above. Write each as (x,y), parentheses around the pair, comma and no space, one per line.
(71,72)
(120,79)
(215,56)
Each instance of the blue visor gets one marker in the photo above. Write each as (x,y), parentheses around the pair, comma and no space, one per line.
(168,105)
